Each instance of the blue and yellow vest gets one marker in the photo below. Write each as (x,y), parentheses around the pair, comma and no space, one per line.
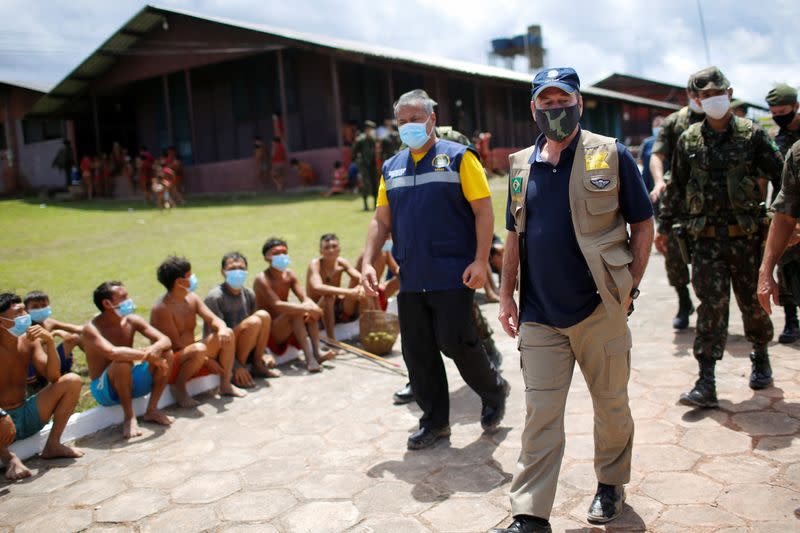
(433,227)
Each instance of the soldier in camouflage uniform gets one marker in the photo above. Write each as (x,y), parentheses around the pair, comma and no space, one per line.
(364,150)
(715,194)
(782,101)
(390,144)
(663,150)
(783,231)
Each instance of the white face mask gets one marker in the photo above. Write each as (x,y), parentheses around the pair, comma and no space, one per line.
(716,106)
(694,107)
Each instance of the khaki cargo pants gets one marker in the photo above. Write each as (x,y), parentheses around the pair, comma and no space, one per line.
(601,345)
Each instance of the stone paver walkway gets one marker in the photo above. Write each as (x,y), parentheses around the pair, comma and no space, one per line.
(318,453)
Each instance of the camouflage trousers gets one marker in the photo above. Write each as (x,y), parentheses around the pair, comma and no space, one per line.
(485,332)
(369,180)
(677,269)
(718,264)
(785,295)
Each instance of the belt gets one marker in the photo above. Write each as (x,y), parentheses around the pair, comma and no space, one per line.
(733,230)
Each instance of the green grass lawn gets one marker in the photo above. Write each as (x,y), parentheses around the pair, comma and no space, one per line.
(67,249)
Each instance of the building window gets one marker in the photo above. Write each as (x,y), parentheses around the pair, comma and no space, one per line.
(37,130)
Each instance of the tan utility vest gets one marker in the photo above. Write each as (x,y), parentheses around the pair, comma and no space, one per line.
(600,230)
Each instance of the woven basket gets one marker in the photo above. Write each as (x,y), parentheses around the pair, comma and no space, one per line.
(378,331)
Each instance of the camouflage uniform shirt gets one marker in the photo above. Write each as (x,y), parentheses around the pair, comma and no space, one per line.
(788,200)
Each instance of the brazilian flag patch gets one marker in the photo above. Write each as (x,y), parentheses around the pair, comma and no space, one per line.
(516,185)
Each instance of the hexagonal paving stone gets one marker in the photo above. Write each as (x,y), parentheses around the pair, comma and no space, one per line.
(466,479)
(694,418)
(466,515)
(256,506)
(715,441)
(738,469)
(249,528)
(206,488)
(110,529)
(274,472)
(679,487)
(357,458)
(330,485)
(162,475)
(654,432)
(50,481)
(307,446)
(663,458)
(354,432)
(394,497)
(752,501)
(790,408)
(579,475)
(227,460)
(119,465)
(792,475)
(16,509)
(132,505)
(766,423)
(579,447)
(322,517)
(186,450)
(782,449)
(390,524)
(694,516)
(90,492)
(61,520)
(183,519)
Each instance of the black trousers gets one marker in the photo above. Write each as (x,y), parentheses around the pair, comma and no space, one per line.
(432,323)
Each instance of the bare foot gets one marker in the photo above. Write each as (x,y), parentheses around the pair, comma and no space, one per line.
(130,428)
(183,398)
(16,470)
(264,371)
(158,417)
(269,360)
(232,390)
(313,366)
(273,373)
(53,451)
(326,355)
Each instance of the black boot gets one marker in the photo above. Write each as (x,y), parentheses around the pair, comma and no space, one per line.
(761,373)
(704,393)
(791,332)
(685,308)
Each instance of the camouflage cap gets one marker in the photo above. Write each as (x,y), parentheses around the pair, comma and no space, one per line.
(369,124)
(736,103)
(708,79)
(782,94)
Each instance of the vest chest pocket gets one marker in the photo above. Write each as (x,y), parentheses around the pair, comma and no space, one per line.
(601,212)
(618,278)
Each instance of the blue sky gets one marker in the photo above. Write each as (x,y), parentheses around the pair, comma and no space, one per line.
(754,43)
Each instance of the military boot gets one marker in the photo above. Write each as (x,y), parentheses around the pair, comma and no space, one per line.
(704,393)
(761,373)
(791,332)
(685,308)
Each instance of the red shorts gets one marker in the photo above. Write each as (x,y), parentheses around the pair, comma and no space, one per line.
(176,368)
(280,349)
(383,301)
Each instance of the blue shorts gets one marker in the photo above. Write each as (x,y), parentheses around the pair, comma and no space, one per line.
(66,365)
(104,394)
(26,418)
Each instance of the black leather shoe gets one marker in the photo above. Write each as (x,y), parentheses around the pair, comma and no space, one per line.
(425,437)
(404,395)
(685,310)
(791,331)
(526,524)
(704,392)
(492,416)
(761,373)
(607,504)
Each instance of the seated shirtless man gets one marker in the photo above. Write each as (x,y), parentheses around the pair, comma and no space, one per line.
(323,285)
(37,304)
(236,305)
(175,315)
(108,343)
(292,322)
(21,343)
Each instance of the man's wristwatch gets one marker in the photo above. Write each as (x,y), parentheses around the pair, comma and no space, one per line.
(3,413)
(635,292)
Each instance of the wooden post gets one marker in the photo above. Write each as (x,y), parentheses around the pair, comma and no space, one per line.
(337,102)
(284,107)
(190,104)
(168,110)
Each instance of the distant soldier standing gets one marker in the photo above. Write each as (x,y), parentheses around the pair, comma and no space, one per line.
(364,157)
(782,101)
(390,144)
(715,194)
(662,153)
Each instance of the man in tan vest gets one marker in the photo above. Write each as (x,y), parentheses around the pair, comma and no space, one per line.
(571,195)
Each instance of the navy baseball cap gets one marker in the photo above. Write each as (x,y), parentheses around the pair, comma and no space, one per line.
(564,78)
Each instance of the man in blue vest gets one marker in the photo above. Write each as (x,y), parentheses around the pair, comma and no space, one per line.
(434,199)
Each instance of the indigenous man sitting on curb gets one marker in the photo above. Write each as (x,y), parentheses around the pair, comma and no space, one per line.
(37,304)
(236,305)
(111,357)
(292,322)
(175,314)
(324,280)
(21,343)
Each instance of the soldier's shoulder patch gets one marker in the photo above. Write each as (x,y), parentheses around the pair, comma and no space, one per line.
(441,162)
(600,183)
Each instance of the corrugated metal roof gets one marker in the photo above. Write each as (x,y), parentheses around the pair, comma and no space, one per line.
(149,17)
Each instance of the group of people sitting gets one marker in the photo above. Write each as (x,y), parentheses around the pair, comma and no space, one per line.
(239,323)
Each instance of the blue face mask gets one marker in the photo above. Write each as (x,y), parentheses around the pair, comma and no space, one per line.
(192,283)
(125,308)
(415,134)
(656,130)
(21,325)
(40,315)
(281,262)
(387,246)
(235,278)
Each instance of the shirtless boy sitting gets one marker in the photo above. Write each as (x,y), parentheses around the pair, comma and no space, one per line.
(108,343)
(21,343)
(292,322)
(37,304)
(323,285)
(175,315)
(236,305)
